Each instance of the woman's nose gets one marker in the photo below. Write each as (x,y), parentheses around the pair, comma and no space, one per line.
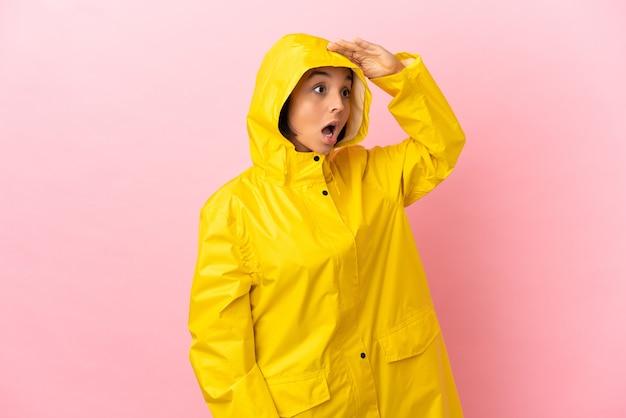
(336,104)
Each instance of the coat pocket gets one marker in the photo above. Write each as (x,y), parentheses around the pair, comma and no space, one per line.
(297,394)
(412,338)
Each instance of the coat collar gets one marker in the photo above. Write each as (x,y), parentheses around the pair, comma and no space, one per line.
(287,167)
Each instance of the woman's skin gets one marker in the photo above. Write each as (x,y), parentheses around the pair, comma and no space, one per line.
(374,60)
(320,103)
(319,108)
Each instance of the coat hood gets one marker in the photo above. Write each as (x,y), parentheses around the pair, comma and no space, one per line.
(281,69)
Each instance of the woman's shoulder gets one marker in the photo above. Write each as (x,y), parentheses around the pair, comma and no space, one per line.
(231,195)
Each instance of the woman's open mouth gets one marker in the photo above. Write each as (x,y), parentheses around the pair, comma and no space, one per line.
(329,130)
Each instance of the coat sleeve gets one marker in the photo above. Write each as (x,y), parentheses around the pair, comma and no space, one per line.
(222,349)
(414,167)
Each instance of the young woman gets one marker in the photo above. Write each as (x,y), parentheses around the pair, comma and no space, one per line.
(309,298)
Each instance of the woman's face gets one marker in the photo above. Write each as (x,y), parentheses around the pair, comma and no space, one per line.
(319,108)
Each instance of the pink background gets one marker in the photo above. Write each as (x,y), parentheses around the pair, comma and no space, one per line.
(119,118)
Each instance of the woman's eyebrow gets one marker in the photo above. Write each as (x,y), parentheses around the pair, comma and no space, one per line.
(325,74)
(318,72)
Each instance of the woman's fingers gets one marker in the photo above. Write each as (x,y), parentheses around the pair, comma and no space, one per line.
(342,47)
(359,48)
(373,59)
(365,45)
(344,44)
(346,49)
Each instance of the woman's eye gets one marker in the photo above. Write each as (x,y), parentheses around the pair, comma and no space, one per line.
(345,93)
(319,89)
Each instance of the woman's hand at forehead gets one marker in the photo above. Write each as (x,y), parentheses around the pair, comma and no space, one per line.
(374,60)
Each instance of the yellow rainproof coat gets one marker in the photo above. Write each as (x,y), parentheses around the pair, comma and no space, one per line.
(309,298)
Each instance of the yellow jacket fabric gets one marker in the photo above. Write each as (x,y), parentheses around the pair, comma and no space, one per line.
(309,298)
